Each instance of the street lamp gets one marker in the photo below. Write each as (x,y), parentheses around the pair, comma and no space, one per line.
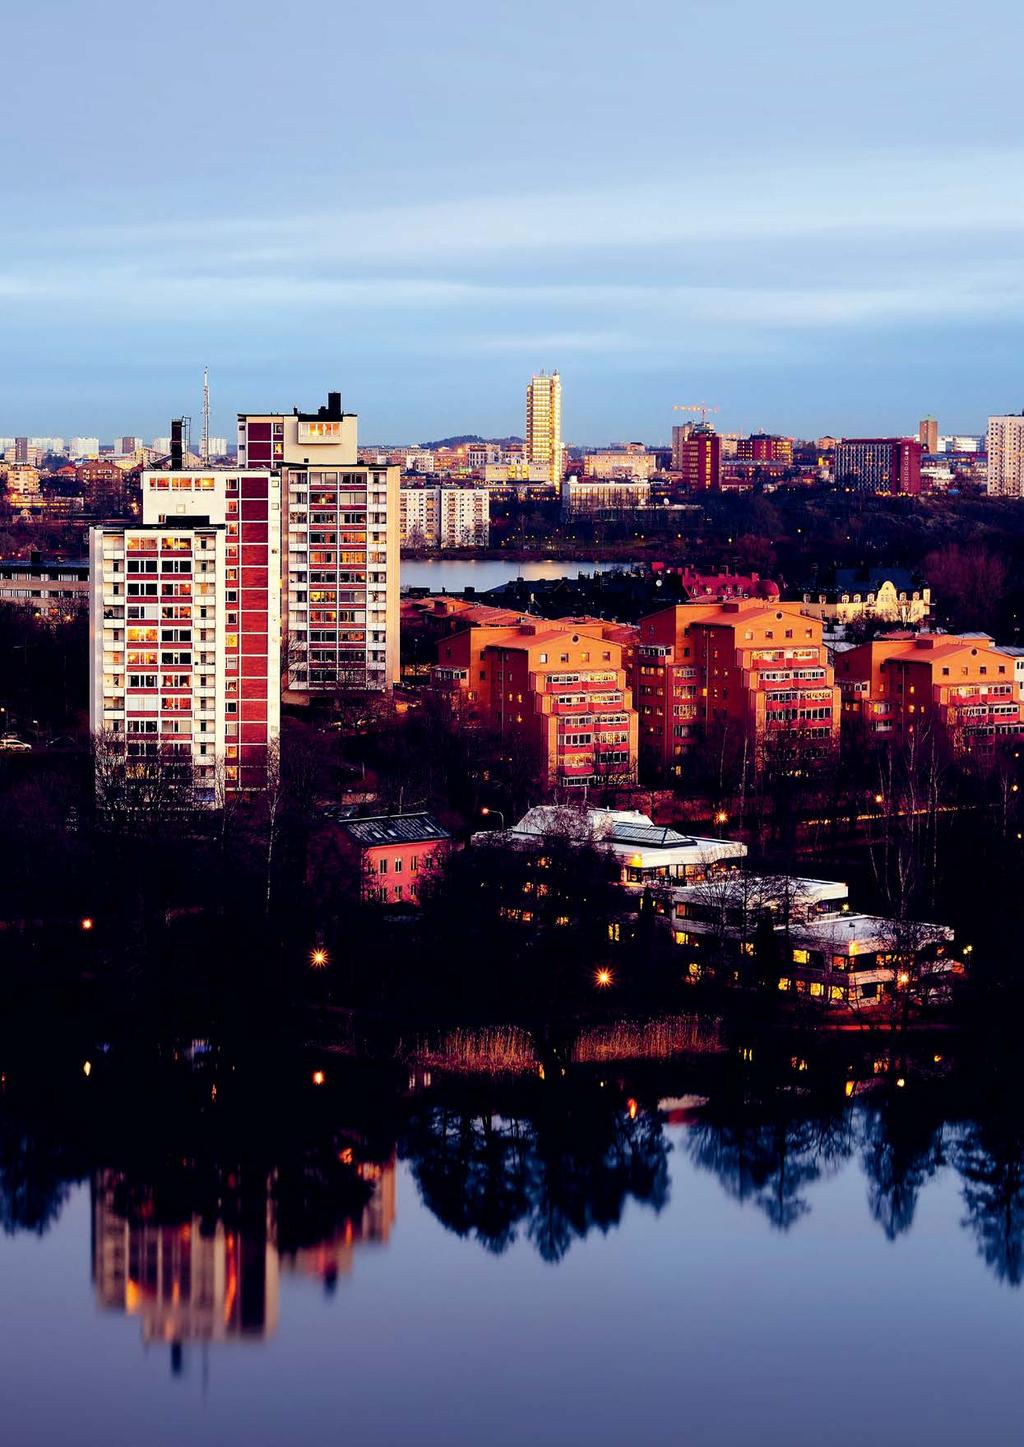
(487,810)
(318,958)
(602,978)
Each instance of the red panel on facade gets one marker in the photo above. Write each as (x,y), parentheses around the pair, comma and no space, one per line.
(255,486)
(254,687)
(254,733)
(254,577)
(255,555)
(254,532)
(254,510)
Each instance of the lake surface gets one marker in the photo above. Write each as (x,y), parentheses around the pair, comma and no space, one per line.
(700,1255)
(483,573)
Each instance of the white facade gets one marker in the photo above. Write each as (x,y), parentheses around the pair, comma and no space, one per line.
(185,629)
(445,517)
(619,463)
(1006,456)
(341,548)
(591,494)
(83,447)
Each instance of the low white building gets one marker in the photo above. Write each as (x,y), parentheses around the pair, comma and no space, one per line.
(592,494)
(648,853)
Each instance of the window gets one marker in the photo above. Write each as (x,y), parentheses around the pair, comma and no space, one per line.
(382,867)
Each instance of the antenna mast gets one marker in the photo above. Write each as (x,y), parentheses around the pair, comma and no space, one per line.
(206,417)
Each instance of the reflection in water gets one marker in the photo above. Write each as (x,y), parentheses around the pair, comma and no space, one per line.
(551,1176)
(199,1259)
(193,1230)
(989,1158)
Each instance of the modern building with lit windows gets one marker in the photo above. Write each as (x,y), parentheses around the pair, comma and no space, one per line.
(544,424)
(340,548)
(185,628)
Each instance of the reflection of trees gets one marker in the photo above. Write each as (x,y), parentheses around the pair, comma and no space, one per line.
(36,1175)
(902,1149)
(551,1176)
(770,1156)
(990,1159)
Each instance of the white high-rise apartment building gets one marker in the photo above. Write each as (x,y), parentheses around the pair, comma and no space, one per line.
(445,517)
(185,628)
(340,547)
(1006,456)
(87,447)
(544,424)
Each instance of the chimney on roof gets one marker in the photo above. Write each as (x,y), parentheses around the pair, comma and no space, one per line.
(334,404)
(179,441)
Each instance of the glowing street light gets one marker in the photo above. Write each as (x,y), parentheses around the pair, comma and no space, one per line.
(602,978)
(318,1077)
(86,923)
(87,1068)
(721,817)
(318,958)
(487,810)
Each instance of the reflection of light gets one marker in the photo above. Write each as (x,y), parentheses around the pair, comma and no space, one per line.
(603,978)
(318,1077)
(631,1106)
(849,1087)
(900,1081)
(87,1067)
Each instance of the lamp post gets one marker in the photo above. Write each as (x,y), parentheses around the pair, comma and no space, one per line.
(487,811)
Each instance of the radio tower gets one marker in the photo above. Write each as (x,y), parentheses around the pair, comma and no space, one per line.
(205,449)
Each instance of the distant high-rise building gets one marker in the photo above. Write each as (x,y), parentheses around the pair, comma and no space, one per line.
(126,446)
(340,554)
(218,446)
(763,447)
(928,434)
(185,623)
(544,423)
(700,459)
(680,435)
(162,445)
(878,464)
(83,447)
(1006,456)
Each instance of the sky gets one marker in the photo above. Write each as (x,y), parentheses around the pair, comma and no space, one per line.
(809,215)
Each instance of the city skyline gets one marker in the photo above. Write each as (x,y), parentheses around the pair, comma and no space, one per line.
(794,235)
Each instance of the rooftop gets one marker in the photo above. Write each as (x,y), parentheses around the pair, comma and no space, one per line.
(393,829)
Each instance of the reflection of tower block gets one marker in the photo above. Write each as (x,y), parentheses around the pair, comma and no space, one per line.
(183,1283)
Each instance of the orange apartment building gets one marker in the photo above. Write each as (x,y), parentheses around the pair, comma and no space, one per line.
(559,687)
(759,665)
(896,683)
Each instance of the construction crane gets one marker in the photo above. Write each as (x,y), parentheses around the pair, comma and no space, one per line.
(702,407)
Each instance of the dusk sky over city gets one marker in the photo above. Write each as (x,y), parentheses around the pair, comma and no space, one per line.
(807,214)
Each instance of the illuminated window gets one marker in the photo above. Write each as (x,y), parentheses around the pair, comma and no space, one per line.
(801,957)
(783,984)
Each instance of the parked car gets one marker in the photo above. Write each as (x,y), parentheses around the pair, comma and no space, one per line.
(10,745)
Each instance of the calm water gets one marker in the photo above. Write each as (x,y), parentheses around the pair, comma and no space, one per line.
(482,573)
(218,1258)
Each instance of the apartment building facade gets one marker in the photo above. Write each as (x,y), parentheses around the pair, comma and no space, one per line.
(340,548)
(560,689)
(898,685)
(878,464)
(1006,456)
(185,628)
(758,668)
(445,517)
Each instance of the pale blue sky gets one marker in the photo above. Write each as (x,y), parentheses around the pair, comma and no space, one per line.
(809,214)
